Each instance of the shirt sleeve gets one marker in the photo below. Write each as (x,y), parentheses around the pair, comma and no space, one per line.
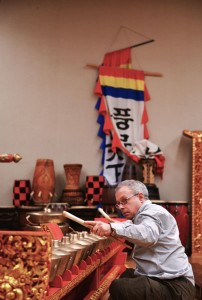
(146,233)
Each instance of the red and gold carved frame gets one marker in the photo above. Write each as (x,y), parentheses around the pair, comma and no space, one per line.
(25,259)
(196,189)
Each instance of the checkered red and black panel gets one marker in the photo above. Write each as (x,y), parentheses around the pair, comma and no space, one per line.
(94,188)
(21,192)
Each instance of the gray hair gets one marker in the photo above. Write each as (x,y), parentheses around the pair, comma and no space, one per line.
(135,186)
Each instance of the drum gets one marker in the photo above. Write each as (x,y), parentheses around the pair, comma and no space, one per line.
(181,215)
(72,173)
(21,192)
(180,211)
(94,189)
(72,193)
(43,186)
(109,200)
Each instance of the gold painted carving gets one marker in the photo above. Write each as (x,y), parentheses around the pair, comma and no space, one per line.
(25,259)
(106,283)
(196,189)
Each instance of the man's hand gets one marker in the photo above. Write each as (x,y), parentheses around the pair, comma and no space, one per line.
(99,228)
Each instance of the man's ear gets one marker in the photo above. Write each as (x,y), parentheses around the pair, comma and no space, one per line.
(141,197)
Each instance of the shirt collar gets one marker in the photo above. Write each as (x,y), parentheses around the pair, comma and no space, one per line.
(142,208)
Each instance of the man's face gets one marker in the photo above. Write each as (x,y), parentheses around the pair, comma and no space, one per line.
(129,207)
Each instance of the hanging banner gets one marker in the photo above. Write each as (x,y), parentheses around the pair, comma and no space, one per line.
(122,104)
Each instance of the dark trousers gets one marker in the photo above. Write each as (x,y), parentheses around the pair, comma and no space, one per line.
(133,287)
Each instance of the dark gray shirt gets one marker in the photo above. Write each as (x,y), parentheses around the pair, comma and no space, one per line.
(158,251)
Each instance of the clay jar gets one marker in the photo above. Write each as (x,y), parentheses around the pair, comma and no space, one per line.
(43,186)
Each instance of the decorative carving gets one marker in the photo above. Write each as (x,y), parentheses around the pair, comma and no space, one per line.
(196,189)
(25,260)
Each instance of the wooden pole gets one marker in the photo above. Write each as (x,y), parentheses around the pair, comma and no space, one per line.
(146,73)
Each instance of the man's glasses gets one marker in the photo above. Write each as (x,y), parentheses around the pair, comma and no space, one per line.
(124,201)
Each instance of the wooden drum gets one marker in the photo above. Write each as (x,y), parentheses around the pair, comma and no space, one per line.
(43,186)
(180,211)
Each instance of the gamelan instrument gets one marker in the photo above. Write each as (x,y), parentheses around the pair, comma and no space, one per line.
(82,222)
